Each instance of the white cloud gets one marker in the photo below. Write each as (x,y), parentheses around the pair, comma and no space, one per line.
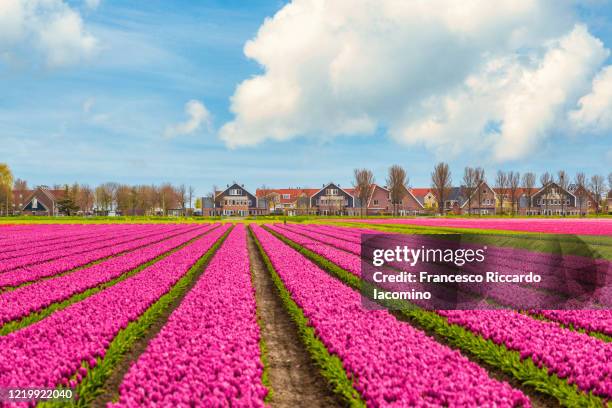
(197,114)
(594,111)
(446,74)
(49,29)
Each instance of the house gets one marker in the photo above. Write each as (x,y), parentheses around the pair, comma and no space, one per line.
(585,202)
(288,201)
(40,201)
(553,199)
(332,200)
(481,201)
(426,197)
(408,204)
(609,202)
(235,200)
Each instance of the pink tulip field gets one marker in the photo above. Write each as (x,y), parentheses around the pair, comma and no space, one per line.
(171,315)
(547,226)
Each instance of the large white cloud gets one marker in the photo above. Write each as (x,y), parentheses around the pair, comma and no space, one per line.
(450,75)
(594,111)
(197,115)
(50,29)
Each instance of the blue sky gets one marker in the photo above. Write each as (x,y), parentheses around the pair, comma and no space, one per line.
(100,108)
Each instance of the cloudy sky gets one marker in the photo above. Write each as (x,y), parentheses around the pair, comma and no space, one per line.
(300,93)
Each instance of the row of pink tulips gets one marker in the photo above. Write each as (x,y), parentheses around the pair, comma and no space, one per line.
(66,241)
(34,272)
(566,281)
(50,352)
(554,226)
(24,239)
(208,352)
(37,296)
(392,363)
(585,352)
(102,241)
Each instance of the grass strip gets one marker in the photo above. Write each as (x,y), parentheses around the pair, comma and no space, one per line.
(38,316)
(92,385)
(329,365)
(498,356)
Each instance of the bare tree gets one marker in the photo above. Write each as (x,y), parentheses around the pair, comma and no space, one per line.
(545,180)
(514,179)
(501,182)
(597,187)
(479,178)
(270,197)
(363,184)
(103,197)
(529,180)
(396,182)
(182,197)
(563,182)
(441,184)
(191,193)
(469,185)
(610,181)
(581,186)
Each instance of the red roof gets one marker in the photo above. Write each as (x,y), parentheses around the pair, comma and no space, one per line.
(420,192)
(294,193)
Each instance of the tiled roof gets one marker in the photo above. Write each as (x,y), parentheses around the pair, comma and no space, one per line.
(294,193)
(420,192)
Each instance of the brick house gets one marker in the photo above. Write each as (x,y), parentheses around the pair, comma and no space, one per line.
(289,201)
(40,201)
(235,200)
(553,199)
(482,201)
(585,202)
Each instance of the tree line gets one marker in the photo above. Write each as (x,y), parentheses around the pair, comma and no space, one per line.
(509,186)
(106,197)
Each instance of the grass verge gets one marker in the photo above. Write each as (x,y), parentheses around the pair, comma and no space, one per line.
(498,356)
(330,365)
(92,385)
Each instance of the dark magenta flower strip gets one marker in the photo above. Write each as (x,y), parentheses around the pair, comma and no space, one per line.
(208,353)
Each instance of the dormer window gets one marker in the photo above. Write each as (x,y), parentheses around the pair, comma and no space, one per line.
(235,192)
(331,191)
(286,196)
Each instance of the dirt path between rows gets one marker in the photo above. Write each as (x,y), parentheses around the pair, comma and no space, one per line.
(295,380)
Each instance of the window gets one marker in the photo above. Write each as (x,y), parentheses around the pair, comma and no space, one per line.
(331,191)
(286,196)
(235,191)
(375,202)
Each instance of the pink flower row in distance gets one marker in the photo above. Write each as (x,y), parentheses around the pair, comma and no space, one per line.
(104,240)
(48,353)
(392,363)
(36,239)
(548,226)
(34,272)
(32,298)
(208,352)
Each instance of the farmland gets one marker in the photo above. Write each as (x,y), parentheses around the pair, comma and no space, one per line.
(272,314)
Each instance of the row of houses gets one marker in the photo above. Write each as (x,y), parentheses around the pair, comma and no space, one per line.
(332,199)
